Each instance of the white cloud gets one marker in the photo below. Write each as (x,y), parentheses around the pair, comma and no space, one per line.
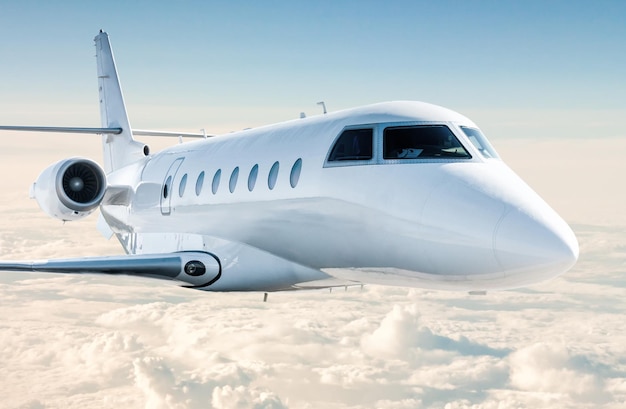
(543,367)
(162,389)
(401,335)
(240,398)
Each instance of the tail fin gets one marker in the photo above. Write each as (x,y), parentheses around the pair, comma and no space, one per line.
(121,149)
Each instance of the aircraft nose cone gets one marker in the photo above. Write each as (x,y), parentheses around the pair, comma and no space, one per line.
(534,248)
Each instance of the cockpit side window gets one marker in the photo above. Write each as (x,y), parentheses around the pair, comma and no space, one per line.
(480,142)
(422,142)
(353,144)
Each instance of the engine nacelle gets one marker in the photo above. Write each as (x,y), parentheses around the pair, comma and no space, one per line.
(70,189)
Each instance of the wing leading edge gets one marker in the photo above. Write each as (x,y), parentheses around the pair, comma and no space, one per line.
(196,269)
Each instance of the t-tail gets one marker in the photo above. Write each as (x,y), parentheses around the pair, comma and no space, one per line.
(73,188)
(119,149)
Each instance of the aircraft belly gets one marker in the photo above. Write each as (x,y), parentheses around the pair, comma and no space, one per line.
(405,278)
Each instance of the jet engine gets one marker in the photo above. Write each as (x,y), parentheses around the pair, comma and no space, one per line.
(70,189)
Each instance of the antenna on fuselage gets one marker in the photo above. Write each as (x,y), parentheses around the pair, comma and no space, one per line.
(323,106)
(302,115)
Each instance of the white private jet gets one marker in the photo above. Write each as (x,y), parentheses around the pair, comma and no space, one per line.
(398,193)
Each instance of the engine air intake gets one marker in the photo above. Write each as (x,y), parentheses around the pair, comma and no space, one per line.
(82,182)
(70,189)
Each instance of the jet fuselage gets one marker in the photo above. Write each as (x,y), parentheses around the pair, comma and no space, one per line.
(277,210)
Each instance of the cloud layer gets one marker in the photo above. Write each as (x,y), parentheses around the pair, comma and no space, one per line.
(86,341)
(104,342)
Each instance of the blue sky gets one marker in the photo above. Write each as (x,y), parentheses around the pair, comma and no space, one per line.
(231,63)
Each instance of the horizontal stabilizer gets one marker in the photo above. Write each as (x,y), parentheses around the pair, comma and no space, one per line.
(143,132)
(62,129)
(102,131)
(197,269)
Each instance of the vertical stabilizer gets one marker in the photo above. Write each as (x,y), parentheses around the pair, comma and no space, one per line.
(119,150)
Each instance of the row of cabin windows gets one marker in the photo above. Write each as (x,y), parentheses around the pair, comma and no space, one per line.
(272,178)
(406,142)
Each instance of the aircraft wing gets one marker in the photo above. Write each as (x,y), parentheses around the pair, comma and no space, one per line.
(196,269)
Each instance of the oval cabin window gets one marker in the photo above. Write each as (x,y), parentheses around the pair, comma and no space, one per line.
(183,184)
(273,176)
(294,177)
(216,181)
(232,184)
(199,183)
(252,177)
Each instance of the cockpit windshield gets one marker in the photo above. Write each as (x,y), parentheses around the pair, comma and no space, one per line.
(353,145)
(480,142)
(422,142)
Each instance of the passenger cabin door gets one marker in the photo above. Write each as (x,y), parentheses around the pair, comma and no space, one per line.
(167,191)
